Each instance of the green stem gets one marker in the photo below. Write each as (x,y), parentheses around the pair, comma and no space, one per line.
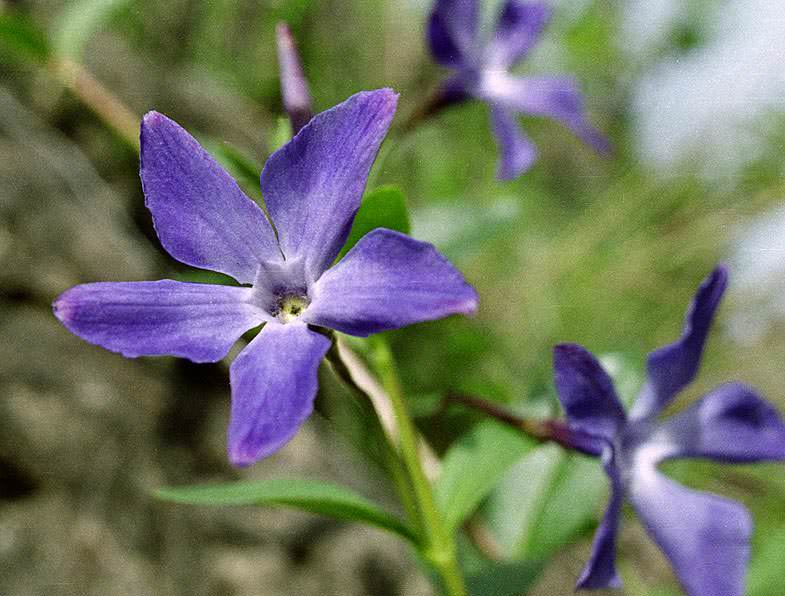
(440,548)
(394,465)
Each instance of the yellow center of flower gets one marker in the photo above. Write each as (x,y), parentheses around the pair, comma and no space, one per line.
(291,307)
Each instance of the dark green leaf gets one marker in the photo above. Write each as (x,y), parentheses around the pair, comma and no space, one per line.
(383,207)
(308,495)
(242,168)
(474,465)
(504,579)
(203,276)
(79,21)
(22,40)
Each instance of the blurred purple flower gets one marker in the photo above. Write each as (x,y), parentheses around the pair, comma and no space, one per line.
(294,86)
(483,73)
(705,537)
(312,187)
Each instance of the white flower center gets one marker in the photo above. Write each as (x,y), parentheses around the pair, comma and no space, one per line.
(290,307)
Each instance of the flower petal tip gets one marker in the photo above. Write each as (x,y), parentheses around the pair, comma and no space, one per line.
(470,306)
(62,309)
(153,118)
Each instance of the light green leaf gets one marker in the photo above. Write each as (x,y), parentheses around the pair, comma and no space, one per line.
(563,517)
(459,229)
(545,502)
(21,39)
(308,495)
(282,133)
(474,465)
(79,22)
(383,207)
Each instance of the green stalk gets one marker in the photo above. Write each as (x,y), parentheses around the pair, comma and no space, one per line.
(440,548)
(395,466)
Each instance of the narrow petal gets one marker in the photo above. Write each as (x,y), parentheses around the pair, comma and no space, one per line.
(600,570)
(552,96)
(517,151)
(586,391)
(273,389)
(294,86)
(452,32)
(705,537)
(730,424)
(673,367)
(200,214)
(313,185)
(156,318)
(519,27)
(386,281)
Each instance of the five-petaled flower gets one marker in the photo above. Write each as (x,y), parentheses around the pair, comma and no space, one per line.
(483,73)
(312,188)
(705,537)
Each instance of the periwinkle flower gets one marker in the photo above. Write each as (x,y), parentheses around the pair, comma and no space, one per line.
(483,72)
(312,188)
(704,536)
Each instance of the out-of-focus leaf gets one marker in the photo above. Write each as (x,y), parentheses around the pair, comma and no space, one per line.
(534,511)
(289,11)
(627,374)
(513,507)
(383,207)
(241,167)
(203,276)
(282,133)
(562,517)
(459,229)
(308,495)
(21,39)
(504,579)
(765,575)
(79,22)
(474,465)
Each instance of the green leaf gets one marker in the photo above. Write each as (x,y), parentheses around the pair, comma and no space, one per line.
(22,40)
(504,579)
(308,495)
(78,23)
(242,167)
(534,511)
(765,575)
(204,276)
(563,518)
(474,465)
(383,207)
(460,229)
(282,133)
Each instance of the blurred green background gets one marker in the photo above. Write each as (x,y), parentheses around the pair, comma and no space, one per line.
(606,252)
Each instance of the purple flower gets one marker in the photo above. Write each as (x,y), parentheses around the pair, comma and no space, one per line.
(312,188)
(483,73)
(705,537)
